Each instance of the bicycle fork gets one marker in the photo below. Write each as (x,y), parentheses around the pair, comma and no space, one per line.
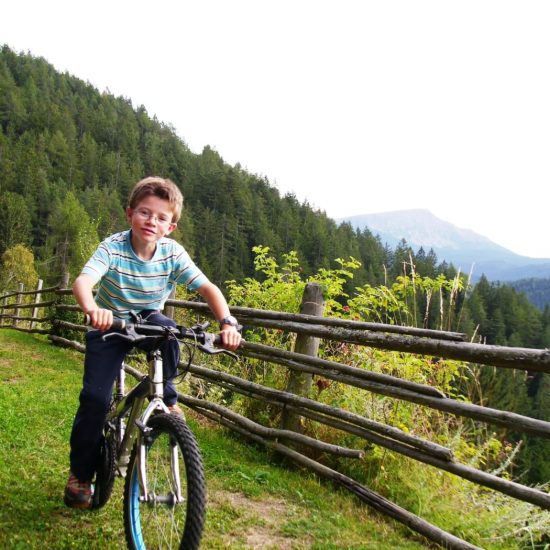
(144,441)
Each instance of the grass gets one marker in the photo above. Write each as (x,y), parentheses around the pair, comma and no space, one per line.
(253,501)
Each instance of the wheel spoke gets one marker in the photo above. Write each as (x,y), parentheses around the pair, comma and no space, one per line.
(172,462)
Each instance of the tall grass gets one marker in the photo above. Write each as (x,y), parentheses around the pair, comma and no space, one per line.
(452,503)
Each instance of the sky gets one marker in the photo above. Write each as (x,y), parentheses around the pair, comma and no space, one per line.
(356,106)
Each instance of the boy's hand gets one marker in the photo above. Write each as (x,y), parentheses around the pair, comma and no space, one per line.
(101,319)
(231,337)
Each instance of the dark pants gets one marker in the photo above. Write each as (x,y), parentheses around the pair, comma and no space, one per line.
(101,366)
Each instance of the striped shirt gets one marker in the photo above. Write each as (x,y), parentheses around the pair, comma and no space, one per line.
(128,283)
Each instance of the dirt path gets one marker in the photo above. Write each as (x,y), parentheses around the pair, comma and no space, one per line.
(264,518)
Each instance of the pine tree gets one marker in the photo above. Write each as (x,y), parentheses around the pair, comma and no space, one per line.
(15,221)
(73,236)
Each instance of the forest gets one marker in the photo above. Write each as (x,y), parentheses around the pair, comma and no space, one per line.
(537,290)
(69,155)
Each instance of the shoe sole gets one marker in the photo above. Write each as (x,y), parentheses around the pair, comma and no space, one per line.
(76,504)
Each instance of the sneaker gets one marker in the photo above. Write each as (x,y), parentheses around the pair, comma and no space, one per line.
(78,494)
(174,409)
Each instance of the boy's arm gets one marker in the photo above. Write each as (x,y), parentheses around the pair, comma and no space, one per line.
(218,305)
(101,319)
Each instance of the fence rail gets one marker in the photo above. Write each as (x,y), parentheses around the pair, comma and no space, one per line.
(449,345)
(251,314)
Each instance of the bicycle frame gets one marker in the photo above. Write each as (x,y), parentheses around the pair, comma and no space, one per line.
(136,431)
(149,449)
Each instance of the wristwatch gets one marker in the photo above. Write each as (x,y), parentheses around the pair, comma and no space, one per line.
(230,320)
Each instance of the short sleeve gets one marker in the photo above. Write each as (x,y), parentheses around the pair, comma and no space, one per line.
(186,271)
(98,264)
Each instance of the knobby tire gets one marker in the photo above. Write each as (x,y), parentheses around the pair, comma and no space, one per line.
(105,475)
(106,466)
(162,525)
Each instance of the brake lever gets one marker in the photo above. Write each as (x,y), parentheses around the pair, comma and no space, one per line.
(123,337)
(217,351)
(209,347)
(130,336)
(200,328)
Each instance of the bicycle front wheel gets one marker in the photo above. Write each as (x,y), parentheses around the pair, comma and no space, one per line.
(171,514)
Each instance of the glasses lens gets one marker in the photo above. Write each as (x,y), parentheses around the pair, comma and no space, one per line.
(146,215)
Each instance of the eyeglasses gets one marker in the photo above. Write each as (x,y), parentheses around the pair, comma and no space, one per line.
(161,219)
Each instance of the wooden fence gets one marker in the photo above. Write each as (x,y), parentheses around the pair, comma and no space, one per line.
(304,363)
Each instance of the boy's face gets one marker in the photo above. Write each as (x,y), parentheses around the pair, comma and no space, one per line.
(151,219)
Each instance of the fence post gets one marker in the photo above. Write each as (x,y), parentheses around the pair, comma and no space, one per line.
(65,281)
(38,300)
(299,383)
(20,289)
(4,304)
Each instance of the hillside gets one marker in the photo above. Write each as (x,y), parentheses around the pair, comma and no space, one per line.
(464,248)
(253,503)
(537,290)
(70,155)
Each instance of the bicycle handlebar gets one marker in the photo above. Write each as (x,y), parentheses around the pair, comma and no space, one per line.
(138,331)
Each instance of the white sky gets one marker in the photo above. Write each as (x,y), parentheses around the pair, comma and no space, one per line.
(359,106)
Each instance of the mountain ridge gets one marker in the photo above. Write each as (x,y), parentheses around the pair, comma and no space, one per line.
(464,248)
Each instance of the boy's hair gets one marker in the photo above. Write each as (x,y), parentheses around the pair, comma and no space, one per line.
(159,187)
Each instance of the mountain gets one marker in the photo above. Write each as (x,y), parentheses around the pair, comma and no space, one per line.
(464,248)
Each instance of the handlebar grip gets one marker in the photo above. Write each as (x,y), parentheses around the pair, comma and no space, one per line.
(118,324)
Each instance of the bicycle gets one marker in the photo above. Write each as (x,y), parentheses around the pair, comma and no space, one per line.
(154,450)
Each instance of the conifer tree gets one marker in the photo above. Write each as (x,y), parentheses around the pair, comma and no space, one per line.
(15,221)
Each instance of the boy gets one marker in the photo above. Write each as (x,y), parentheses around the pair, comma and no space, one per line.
(136,271)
